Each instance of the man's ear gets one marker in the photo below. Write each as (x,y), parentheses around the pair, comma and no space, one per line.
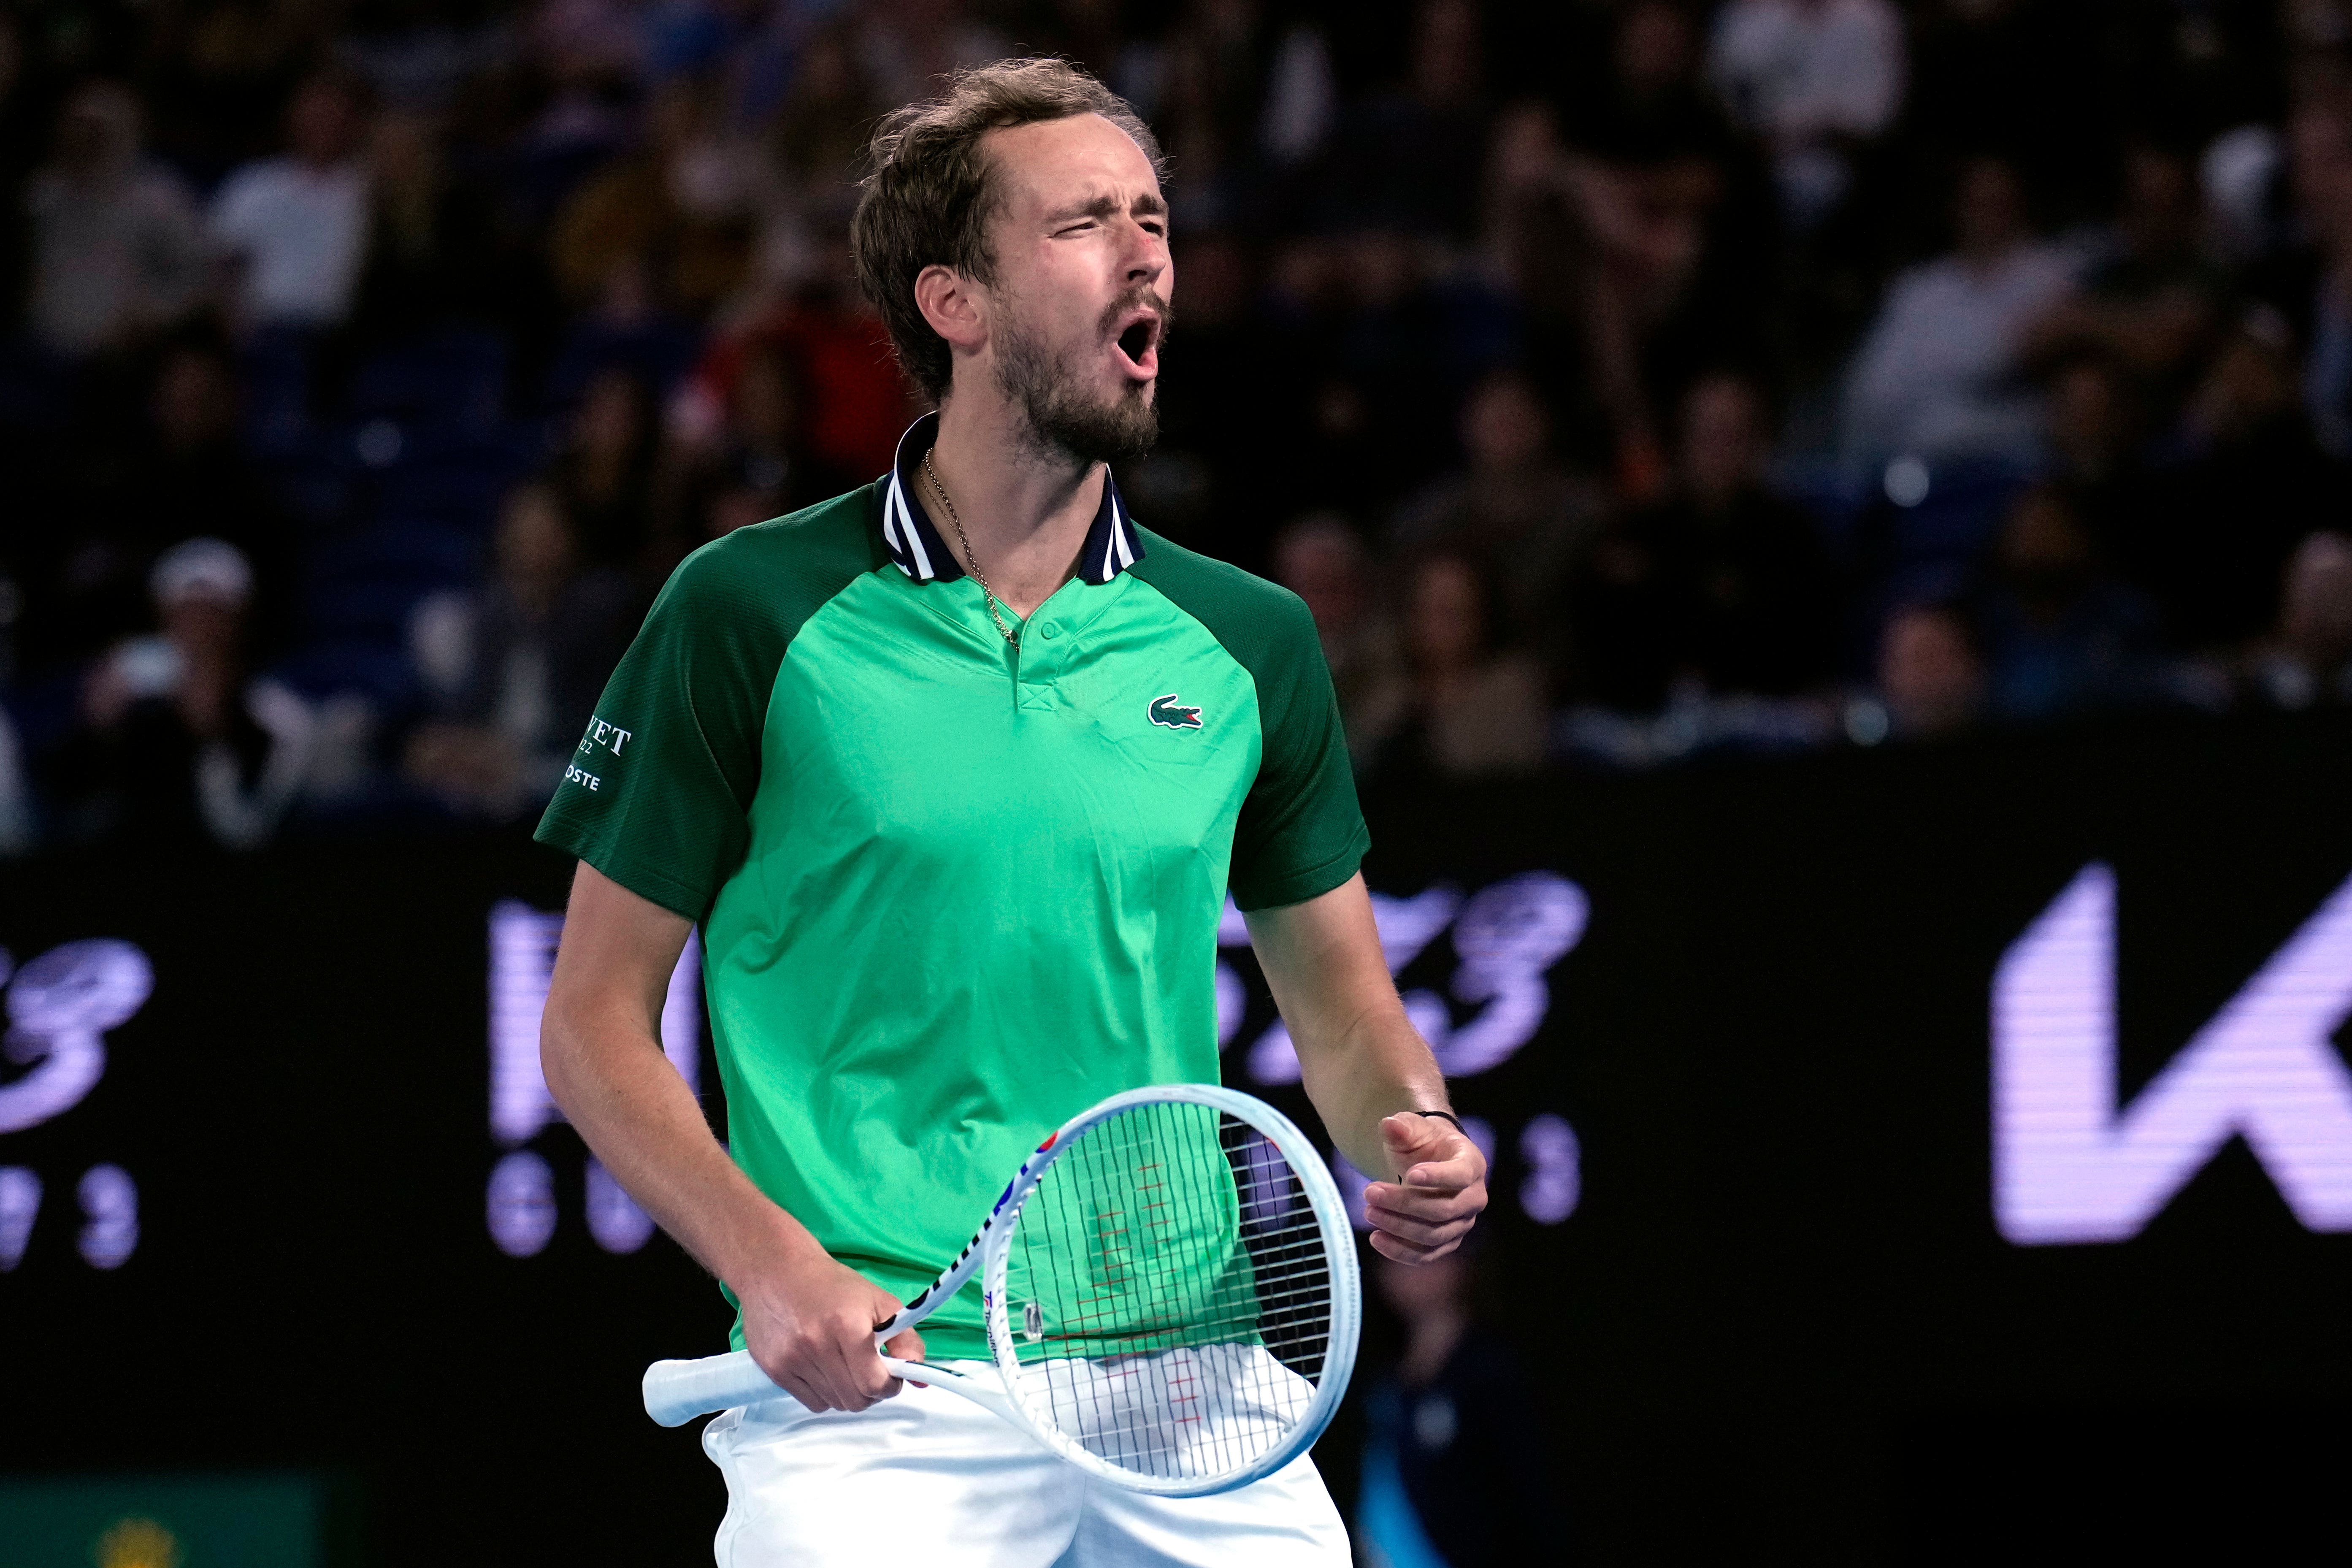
(954,306)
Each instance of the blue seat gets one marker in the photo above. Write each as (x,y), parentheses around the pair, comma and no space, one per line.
(448,479)
(1935,549)
(273,368)
(455,375)
(36,387)
(371,667)
(367,584)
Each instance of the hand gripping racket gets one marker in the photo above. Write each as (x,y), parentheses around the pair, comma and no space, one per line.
(1170,1294)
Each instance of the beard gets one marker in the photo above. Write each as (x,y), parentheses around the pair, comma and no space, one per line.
(1063,419)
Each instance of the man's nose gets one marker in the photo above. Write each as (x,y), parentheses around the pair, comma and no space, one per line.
(1147,255)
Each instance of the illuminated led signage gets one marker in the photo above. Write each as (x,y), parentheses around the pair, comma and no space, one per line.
(2070,1165)
(520,1205)
(60,1007)
(1507,938)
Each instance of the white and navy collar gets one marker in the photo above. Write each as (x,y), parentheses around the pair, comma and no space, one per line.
(1112,543)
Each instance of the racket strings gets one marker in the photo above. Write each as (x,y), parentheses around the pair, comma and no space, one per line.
(1169,1293)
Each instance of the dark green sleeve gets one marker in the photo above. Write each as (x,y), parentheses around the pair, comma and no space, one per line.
(1301,832)
(658,791)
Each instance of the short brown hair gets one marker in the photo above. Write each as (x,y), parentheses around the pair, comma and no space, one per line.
(927,195)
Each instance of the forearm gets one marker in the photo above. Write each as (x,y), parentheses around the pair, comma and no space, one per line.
(612,1080)
(808,1319)
(1364,1064)
(1360,1057)
(1370,1068)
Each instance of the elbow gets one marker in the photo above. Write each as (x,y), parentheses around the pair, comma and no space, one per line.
(559,1053)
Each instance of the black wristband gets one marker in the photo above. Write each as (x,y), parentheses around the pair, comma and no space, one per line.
(1448,1116)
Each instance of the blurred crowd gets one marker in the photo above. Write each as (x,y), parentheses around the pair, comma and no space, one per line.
(1618,381)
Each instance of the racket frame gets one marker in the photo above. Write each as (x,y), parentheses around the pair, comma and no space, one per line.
(677,1392)
(1322,1197)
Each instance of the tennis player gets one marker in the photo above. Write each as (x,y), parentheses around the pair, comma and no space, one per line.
(955,773)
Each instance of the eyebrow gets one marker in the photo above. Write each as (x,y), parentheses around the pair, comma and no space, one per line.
(1149,205)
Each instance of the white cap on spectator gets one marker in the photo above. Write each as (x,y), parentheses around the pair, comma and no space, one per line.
(201,568)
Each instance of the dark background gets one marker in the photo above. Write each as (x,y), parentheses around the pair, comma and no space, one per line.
(1779,1324)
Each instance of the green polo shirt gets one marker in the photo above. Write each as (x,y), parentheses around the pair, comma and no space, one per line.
(954,891)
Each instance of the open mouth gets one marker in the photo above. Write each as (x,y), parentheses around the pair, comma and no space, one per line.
(1139,344)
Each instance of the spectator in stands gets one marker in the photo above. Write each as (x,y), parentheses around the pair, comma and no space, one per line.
(135,493)
(762,460)
(1214,428)
(2211,534)
(2011,77)
(1456,1472)
(2322,170)
(1408,160)
(1672,206)
(1814,78)
(433,254)
(1515,363)
(216,74)
(1619,622)
(847,402)
(1721,588)
(606,471)
(296,226)
(179,740)
(907,45)
(1465,706)
(118,247)
(2065,637)
(2095,426)
(26,129)
(16,814)
(1349,367)
(1516,509)
(1211,71)
(1534,247)
(684,202)
(1655,106)
(819,131)
(2308,658)
(2097,445)
(516,668)
(2153,304)
(1761,613)
(728,507)
(629,327)
(1931,678)
(1937,376)
(1321,557)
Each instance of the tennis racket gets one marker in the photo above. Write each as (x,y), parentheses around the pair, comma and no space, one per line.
(1170,1294)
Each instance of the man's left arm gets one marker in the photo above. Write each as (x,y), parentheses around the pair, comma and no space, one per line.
(1368,1070)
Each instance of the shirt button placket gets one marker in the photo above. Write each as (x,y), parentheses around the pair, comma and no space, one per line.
(1039,666)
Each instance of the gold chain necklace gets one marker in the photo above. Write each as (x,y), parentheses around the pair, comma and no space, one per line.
(971,560)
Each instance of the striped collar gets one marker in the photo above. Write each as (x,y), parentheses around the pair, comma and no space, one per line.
(1112,543)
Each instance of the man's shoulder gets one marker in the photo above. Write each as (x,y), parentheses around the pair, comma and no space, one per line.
(1190,579)
(832,537)
(1259,623)
(783,571)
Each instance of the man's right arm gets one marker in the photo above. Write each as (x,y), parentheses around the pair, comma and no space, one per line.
(808,1319)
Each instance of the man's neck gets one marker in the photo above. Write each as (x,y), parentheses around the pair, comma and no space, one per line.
(1025,511)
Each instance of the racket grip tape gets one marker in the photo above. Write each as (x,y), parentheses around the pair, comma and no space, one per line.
(678,1391)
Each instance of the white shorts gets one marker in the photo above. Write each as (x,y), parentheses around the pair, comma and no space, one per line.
(928,1479)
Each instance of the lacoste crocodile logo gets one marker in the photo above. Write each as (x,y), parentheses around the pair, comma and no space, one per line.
(1167,711)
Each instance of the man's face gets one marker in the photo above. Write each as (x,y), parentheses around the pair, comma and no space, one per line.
(1078,307)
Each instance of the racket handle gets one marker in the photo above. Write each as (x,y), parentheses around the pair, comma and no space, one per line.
(678,1391)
